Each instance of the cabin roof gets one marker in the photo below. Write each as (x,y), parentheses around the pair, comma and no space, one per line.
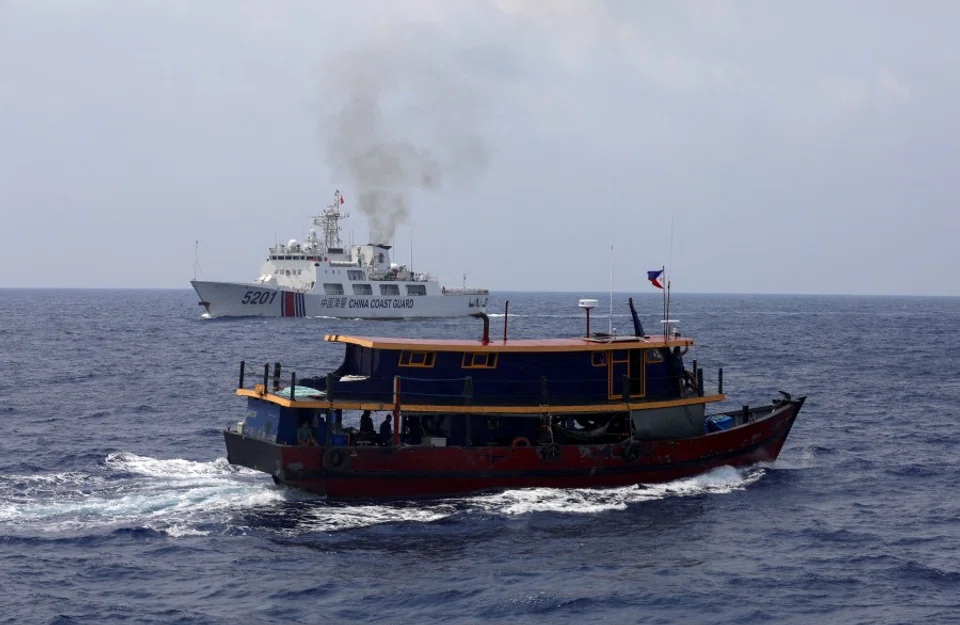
(581,344)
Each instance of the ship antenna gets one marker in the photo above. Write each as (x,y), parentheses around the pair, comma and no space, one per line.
(666,326)
(663,272)
(329,222)
(610,315)
(613,229)
(196,258)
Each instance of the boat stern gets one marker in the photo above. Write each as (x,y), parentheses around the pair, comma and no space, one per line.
(254,453)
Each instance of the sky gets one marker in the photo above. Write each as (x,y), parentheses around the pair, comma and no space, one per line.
(749,147)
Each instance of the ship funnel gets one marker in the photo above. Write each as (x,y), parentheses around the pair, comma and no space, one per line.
(486,326)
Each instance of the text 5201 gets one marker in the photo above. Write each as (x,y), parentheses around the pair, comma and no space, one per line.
(258,297)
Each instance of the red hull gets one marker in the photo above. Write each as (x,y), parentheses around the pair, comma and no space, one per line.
(418,471)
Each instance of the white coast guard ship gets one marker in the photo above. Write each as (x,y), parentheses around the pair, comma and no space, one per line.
(318,277)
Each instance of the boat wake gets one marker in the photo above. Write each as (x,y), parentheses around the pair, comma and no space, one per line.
(176,497)
(590,501)
(332,517)
(187,498)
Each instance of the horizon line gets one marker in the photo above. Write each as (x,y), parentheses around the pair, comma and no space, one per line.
(520,291)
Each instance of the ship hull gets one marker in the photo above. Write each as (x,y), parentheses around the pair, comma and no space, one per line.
(236,299)
(376,473)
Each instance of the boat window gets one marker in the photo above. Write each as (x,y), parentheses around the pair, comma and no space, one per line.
(598,359)
(416,289)
(332,288)
(654,355)
(355,274)
(416,359)
(362,289)
(389,289)
(480,360)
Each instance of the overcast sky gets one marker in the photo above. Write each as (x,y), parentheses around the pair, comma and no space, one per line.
(795,147)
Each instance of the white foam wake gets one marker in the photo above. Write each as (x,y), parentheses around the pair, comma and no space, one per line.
(590,501)
(186,498)
(174,495)
(327,518)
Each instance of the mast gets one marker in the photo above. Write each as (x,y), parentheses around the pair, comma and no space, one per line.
(610,317)
(667,325)
(663,272)
(613,229)
(667,278)
(329,222)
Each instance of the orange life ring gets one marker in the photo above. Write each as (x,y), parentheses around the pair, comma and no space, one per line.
(520,441)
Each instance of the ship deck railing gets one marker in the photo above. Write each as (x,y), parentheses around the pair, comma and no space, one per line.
(464,291)
(466,390)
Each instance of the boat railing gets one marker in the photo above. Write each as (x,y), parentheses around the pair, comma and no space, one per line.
(479,390)
(464,291)
(389,277)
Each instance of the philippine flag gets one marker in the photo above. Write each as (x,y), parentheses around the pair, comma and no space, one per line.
(654,278)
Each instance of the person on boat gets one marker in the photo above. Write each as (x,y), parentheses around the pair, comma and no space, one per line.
(367,431)
(366,423)
(674,371)
(411,432)
(687,381)
(305,434)
(386,431)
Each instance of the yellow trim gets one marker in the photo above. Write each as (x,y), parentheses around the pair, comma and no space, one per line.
(532,410)
(429,359)
(611,383)
(517,345)
(487,357)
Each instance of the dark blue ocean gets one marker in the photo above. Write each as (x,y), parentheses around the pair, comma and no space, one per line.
(117,504)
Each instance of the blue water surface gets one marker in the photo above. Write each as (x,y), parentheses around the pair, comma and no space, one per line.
(117,504)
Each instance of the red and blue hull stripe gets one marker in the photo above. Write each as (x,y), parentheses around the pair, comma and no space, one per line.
(293,304)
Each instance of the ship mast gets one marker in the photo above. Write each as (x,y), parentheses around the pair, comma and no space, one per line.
(329,222)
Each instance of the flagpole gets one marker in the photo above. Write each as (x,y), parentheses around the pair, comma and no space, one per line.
(663,270)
